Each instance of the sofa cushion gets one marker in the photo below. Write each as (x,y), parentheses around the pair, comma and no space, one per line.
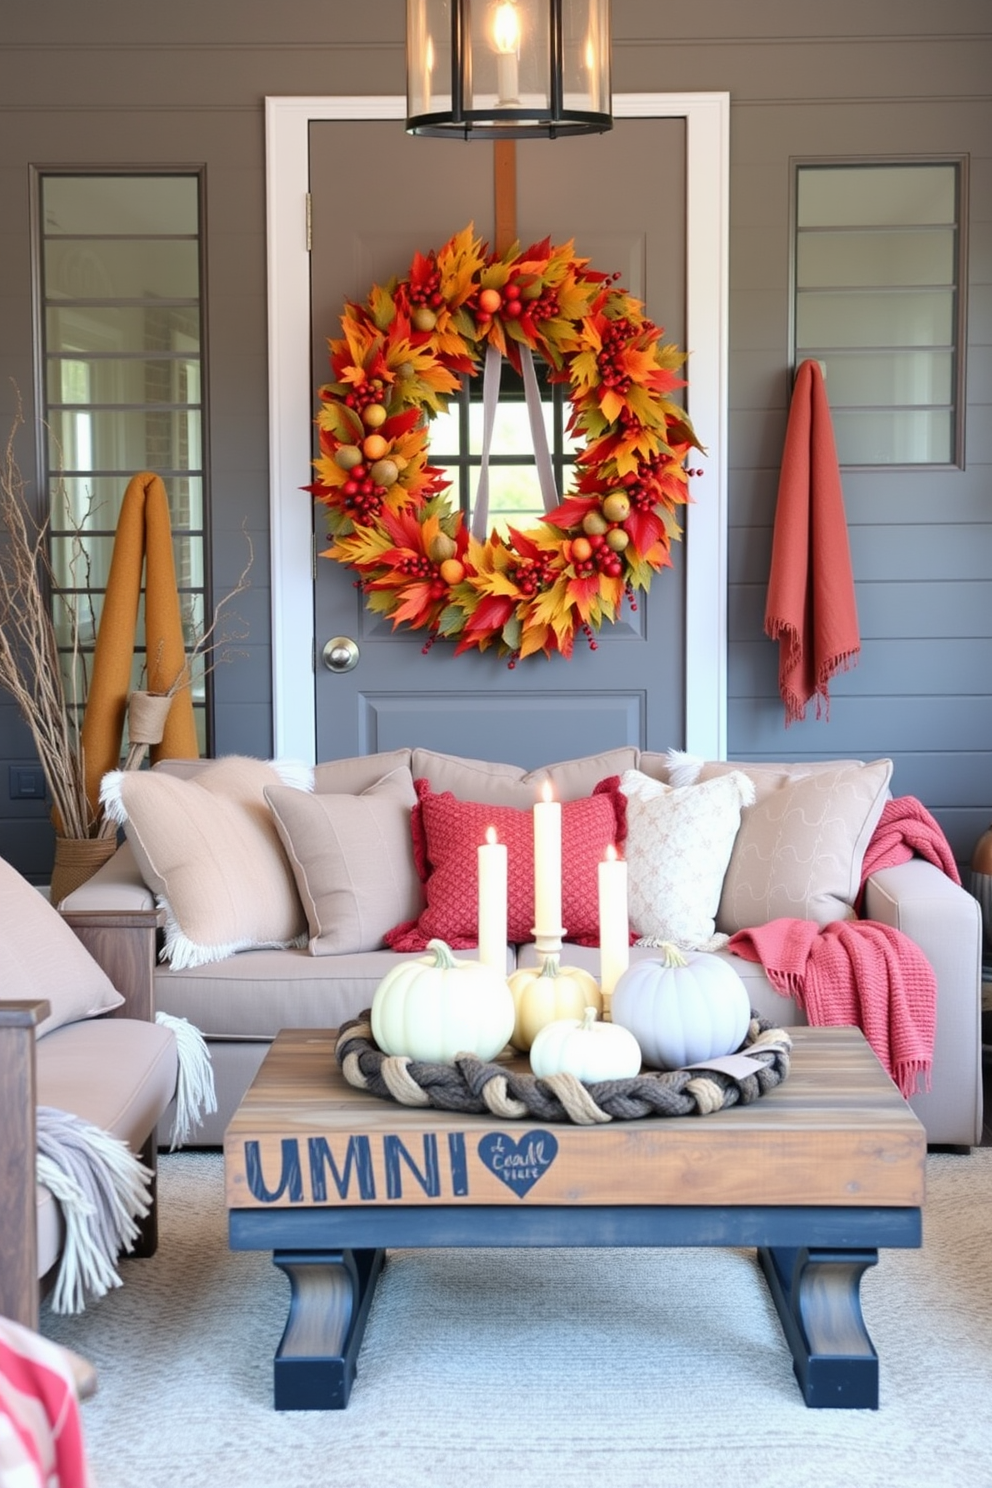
(509,785)
(41,957)
(801,847)
(349,777)
(254,994)
(679,842)
(447,834)
(352,856)
(209,849)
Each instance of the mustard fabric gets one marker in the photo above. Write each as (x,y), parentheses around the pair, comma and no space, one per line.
(142,546)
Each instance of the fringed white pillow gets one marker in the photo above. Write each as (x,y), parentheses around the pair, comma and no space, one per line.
(208,848)
(679,842)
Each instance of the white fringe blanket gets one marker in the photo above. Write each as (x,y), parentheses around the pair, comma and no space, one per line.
(101,1187)
(195,1094)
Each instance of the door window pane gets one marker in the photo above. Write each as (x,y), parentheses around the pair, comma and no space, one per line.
(120,276)
(878,269)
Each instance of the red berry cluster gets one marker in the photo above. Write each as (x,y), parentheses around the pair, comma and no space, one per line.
(416,566)
(546,306)
(640,485)
(533,574)
(602,559)
(615,338)
(372,390)
(428,291)
(361,496)
(365,505)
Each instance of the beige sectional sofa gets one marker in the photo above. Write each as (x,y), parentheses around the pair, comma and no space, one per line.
(796,837)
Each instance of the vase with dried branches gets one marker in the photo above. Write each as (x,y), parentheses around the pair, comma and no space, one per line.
(34,668)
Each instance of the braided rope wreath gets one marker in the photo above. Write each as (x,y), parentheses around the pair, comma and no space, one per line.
(404,352)
(477,1087)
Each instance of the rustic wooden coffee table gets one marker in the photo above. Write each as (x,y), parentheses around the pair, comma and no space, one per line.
(817,1175)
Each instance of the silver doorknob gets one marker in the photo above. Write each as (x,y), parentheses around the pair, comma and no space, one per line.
(340,654)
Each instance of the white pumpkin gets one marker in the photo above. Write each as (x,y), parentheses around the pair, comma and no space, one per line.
(682,1008)
(436,1007)
(548,994)
(586,1048)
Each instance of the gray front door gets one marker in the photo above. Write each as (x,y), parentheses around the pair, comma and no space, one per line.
(612,194)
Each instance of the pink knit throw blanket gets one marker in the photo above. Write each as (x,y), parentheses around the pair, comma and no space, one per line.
(906,830)
(856,972)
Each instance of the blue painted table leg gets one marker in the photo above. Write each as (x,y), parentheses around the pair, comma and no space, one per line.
(330,1296)
(816,1292)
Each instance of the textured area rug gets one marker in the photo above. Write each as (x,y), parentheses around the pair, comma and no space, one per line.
(592,1368)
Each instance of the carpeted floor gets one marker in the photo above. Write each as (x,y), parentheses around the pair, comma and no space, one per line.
(595,1369)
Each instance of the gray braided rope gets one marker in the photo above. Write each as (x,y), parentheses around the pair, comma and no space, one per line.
(480,1088)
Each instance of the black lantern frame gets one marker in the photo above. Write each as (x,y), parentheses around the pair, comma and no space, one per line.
(508,69)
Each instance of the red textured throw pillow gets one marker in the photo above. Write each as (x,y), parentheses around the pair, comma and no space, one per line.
(447,834)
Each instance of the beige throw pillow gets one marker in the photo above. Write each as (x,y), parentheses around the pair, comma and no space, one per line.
(679,842)
(801,847)
(41,957)
(209,850)
(353,861)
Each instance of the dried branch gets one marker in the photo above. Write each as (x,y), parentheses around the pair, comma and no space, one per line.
(30,667)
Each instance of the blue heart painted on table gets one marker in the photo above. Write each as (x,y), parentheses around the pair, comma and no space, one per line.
(518,1164)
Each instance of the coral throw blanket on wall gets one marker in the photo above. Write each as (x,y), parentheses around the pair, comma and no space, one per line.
(810,607)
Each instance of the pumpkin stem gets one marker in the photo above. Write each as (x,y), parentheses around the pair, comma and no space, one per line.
(671,955)
(442,954)
(588,1018)
(552,965)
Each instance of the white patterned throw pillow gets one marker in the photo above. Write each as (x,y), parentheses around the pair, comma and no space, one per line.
(679,842)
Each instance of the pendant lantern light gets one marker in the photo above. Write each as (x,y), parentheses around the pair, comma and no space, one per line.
(508,69)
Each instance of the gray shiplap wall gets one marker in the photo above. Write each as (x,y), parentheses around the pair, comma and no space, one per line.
(100,82)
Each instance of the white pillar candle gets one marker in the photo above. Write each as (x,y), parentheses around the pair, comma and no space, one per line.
(547,867)
(506,41)
(614,927)
(492,903)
